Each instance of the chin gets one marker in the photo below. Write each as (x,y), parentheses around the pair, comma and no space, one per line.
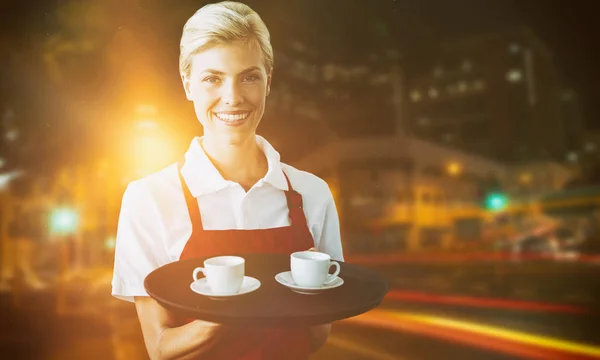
(236,138)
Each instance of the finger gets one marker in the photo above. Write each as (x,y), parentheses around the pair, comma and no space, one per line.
(313,249)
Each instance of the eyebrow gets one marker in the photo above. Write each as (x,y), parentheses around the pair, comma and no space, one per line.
(217,72)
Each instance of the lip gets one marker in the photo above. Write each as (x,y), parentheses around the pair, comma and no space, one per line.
(232,123)
(233,112)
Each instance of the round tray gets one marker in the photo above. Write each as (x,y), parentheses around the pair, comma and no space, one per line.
(272,304)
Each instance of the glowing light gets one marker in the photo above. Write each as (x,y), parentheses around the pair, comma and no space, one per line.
(12,135)
(147,125)
(474,334)
(454,168)
(514,76)
(481,302)
(146,109)
(151,152)
(415,95)
(433,93)
(496,201)
(519,336)
(63,221)
(110,242)
(525,178)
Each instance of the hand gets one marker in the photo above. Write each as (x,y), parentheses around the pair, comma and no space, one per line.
(313,249)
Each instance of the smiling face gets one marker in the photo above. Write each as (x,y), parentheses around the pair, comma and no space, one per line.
(228,84)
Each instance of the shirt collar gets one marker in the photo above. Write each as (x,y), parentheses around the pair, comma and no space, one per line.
(202,177)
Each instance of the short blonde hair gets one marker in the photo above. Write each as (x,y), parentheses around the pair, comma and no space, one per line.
(220,23)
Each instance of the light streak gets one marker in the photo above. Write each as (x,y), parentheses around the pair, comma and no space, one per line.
(494,338)
(481,302)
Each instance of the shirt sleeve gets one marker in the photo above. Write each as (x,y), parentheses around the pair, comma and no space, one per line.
(328,239)
(139,245)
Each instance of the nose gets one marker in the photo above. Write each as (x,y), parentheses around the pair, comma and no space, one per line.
(232,93)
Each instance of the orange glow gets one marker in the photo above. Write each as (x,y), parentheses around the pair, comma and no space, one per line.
(525,178)
(454,168)
(151,153)
(481,302)
(493,338)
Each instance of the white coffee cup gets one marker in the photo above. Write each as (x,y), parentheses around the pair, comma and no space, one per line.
(311,268)
(224,274)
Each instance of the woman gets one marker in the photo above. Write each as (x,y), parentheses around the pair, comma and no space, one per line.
(231,194)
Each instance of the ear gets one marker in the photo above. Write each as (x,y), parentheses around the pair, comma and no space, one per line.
(186,86)
(269,77)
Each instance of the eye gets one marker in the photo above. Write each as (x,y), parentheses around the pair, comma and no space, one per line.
(211,79)
(250,78)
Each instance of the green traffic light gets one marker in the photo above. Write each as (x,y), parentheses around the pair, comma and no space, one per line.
(496,201)
(63,221)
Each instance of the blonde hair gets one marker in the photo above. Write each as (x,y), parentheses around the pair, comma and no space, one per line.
(221,23)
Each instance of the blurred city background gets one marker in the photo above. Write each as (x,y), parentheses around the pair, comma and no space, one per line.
(461,141)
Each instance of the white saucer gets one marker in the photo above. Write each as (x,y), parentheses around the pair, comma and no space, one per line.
(285,279)
(200,286)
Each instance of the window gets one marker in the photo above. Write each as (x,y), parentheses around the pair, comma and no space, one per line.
(12,134)
(415,96)
(514,76)
(590,147)
(433,93)
(451,89)
(448,137)
(423,121)
(466,66)
(525,178)
(479,85)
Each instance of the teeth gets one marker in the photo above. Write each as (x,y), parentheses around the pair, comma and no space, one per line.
(229,117)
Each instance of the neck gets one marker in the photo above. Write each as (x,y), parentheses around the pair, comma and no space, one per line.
(243,162)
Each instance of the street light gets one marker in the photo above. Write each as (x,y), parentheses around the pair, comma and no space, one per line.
(110,243)
(525,178)
(454,168)
(63,221)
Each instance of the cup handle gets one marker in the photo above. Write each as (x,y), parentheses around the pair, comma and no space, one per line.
(331,277)
(196,271)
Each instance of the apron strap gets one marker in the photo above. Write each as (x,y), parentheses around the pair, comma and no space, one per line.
(294,202)
(190,200)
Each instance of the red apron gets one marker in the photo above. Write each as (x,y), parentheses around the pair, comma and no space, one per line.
(288,343)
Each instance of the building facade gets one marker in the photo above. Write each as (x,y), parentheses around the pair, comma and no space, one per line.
(399,193)
(403,194)
(496,95)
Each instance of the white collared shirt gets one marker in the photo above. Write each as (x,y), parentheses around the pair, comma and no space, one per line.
(154,224)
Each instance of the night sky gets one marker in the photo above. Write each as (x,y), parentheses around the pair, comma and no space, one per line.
(567,27)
